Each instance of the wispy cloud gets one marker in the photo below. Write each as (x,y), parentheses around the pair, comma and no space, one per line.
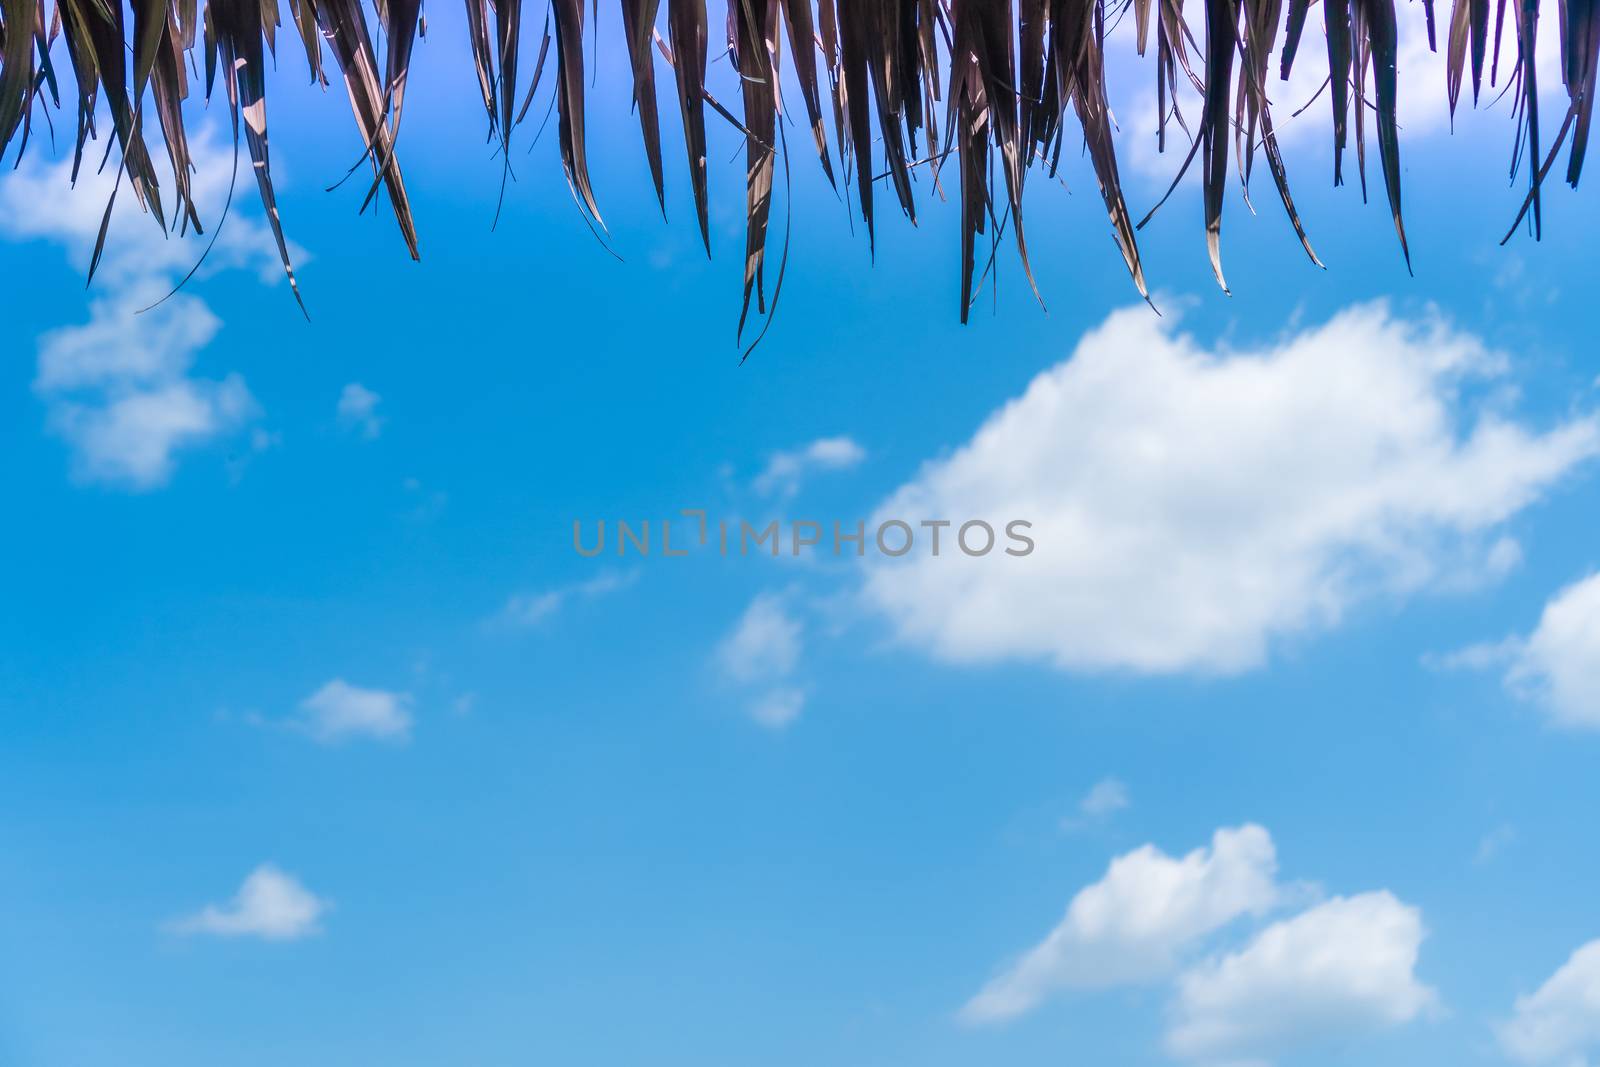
(358,410)
(531,609)
(777,708)
(1494,842)
(761,654)
(1103,800)
(785,471)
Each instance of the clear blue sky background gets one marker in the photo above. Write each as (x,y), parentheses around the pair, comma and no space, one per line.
(586,852)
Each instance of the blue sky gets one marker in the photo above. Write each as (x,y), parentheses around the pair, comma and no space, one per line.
(321,744)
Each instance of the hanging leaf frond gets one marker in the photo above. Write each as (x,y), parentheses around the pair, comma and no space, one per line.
(1009,74)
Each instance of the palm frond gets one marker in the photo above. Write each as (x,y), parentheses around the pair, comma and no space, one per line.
(1008,73)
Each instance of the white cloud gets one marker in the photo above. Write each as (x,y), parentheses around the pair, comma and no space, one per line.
(358,410)
(130,439)
(270,904)
(1339,968)
(1504,557)
(128,432)
(779,707)
(530,609)
(118,388)
(764,645)
(1136,923)
(1106,797)
(340,711)
(1192,507)
(1479,657)
(1103,800)
(120,347)
(1559,1024)
(1494,842)
(428,504)
(763,651)
(785,470)
(527,609)
(1342,968)
(1558,665)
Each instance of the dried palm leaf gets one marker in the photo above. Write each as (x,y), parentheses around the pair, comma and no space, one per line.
(1008,72)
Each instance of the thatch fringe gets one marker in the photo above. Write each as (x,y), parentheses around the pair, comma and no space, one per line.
(1006,78)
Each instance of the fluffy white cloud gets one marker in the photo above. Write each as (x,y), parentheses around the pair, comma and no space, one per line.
(358,410)
(340,711)
(762,652)
(785,470)
(118,388)
(1342,968)
(1189,506)
(1135,924)
(270,904)
(119,347)
(1559,1024)
(1558,665)
(130,439)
